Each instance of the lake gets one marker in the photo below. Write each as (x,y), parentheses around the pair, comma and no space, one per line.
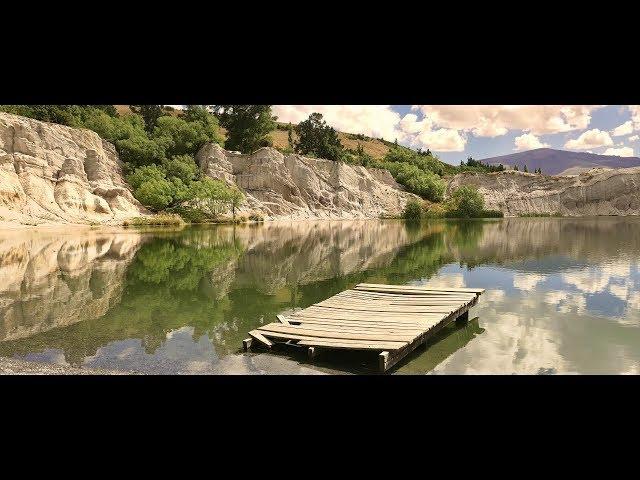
(562,295)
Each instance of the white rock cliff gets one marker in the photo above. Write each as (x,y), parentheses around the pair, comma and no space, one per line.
(53,174)
(294,187)
(599,191)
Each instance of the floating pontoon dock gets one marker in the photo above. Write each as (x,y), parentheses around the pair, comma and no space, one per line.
(392,319)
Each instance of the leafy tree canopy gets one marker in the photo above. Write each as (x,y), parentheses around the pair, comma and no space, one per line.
(317,138)
(247,126)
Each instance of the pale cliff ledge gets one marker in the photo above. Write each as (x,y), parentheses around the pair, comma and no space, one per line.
(53,174)
(294,187)
(599,191)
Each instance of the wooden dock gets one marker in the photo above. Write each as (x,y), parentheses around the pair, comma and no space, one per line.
(391,319)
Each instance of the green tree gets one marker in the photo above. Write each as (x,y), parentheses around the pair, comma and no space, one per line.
(156,193)
(149,113)
(290,136)
(317,138)
(525,169)
(140,150)
(515,167)
(465,202)
(182,167)
(180,137)
(248,126)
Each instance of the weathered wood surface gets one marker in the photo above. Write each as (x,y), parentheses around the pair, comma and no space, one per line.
(392,319)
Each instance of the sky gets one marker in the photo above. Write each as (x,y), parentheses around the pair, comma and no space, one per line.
(455,132)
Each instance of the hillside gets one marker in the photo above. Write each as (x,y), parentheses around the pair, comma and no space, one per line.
(555,162)
(372,146)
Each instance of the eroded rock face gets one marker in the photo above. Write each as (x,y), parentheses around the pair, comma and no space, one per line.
(53,174)
(598,191)
(297,187)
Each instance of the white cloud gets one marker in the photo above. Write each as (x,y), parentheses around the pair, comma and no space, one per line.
(625,129)
(371,120)
(633,138)
(620,152)
(422,135)
(496,120)
(528,141)
(635,115)
(590,139)
(441,140)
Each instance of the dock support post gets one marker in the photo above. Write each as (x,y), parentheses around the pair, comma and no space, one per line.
(312,352)
(246,343)
(463,318)
(383,360)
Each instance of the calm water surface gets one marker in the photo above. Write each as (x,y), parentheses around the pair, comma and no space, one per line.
(562,295)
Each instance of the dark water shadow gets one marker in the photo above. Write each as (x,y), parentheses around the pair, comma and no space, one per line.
(360,362)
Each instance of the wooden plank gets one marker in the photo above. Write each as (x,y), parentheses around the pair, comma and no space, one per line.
(366,315)
(413,289)
(382,309)
(355,344)
(360,324)
(355,329)
(246,343)
(397,305)
(332,310)
(420,287)
(399,296)
(258,336)
(341,345)
(282,319)
(308,332)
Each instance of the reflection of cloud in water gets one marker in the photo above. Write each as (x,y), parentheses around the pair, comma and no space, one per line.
(620,291)
(591,280)
(531,337)
(634,301)
(566,301)
(527,281)
(447,280)
(493,295)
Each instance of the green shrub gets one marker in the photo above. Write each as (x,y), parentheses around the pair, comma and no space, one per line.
(180,137)
(156,193)
(492,214)
(541,214)
(465,202)
(159,219)
(412,210)
(181,166)
(139,150)
(142,174)
(256,217)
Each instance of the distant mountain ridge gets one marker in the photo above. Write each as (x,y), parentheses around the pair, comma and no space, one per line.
(554,162)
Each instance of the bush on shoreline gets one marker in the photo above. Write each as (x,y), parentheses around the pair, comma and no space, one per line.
(465,202)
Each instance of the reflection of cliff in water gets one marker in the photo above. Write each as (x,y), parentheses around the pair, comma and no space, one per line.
(49,280)
(572,242)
